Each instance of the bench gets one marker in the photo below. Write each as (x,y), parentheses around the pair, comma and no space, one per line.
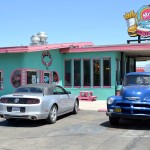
(87,95)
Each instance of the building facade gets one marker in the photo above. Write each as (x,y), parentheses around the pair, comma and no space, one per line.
(76,66)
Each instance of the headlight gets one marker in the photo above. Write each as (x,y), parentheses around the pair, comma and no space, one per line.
(110,100)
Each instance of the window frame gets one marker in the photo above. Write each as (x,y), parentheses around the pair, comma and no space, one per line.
(89,73)
(77,86)
(39,75)
(107,58)
(70,73)
(97,59)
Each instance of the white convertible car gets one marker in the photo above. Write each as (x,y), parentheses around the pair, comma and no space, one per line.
(38,101)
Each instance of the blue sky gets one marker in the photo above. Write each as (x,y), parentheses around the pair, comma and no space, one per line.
(97,21)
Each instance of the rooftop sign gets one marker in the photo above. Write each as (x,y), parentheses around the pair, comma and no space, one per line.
(138,23)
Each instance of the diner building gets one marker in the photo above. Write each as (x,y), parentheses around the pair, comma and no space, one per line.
(78,67)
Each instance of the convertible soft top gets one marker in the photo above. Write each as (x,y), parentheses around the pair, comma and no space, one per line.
(48,89)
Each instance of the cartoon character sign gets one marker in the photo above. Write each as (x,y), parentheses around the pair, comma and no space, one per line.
(138,23)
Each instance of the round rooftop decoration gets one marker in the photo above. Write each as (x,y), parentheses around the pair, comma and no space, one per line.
(35,39)
(39,39)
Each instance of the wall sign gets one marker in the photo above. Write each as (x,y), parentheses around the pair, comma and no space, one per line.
(138,23)
(46,58)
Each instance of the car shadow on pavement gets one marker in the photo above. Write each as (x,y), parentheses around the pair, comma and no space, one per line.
(22,123)
(29,123)
(129,124)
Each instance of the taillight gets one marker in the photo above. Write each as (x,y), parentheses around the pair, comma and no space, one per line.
(3,100)
(33,101)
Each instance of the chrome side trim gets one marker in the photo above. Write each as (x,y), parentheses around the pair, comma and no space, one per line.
(132,98)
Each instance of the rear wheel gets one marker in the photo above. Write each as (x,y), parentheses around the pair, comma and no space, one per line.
(76,107)
(52,117)
(114,121)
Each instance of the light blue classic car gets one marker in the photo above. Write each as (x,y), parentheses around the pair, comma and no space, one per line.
(134,99)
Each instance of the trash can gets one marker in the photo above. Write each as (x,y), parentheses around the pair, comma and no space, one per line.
(118,89)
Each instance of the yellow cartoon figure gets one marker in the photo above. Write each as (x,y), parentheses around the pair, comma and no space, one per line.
(130,18)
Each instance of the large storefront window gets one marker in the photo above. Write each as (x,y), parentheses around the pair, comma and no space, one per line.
(1,80)
(67,72)
(107,72)
(16,78)
(87,72)
(96,72)
(77,72)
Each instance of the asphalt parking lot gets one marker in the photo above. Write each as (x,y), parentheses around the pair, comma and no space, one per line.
(88,130)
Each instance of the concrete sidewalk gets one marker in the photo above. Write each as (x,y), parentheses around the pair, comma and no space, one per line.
(98,105)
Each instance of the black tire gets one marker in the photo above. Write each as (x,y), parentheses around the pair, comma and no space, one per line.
(76,107)
(52,117)
(114,121)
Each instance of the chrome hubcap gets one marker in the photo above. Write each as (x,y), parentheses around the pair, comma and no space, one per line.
(53,113)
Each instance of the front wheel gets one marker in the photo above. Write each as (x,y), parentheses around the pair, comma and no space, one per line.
(114,121)
(76,107)
(52,117)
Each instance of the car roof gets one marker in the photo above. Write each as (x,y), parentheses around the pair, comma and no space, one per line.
(39,85)
(47,88)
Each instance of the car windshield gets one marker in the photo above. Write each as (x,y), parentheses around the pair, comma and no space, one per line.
(29,89)
(136,80)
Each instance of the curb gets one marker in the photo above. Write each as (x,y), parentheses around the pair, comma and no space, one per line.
(102,110)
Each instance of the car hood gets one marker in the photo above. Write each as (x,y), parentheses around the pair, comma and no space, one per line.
(135,93)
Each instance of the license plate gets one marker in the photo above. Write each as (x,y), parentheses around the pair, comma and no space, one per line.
(117,110)
(15,109)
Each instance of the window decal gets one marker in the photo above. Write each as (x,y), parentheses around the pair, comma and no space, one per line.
(16,78)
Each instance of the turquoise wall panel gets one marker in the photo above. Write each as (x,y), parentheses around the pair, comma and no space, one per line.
(10,62)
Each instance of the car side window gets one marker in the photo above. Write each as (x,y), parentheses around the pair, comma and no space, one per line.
(59,90)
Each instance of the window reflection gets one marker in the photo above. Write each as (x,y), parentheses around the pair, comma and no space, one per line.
(31,77)
(46,78)
(87,72)
(55,76)
(77,72)
(96,72)
(16,78)
(107,72)
(67,72)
